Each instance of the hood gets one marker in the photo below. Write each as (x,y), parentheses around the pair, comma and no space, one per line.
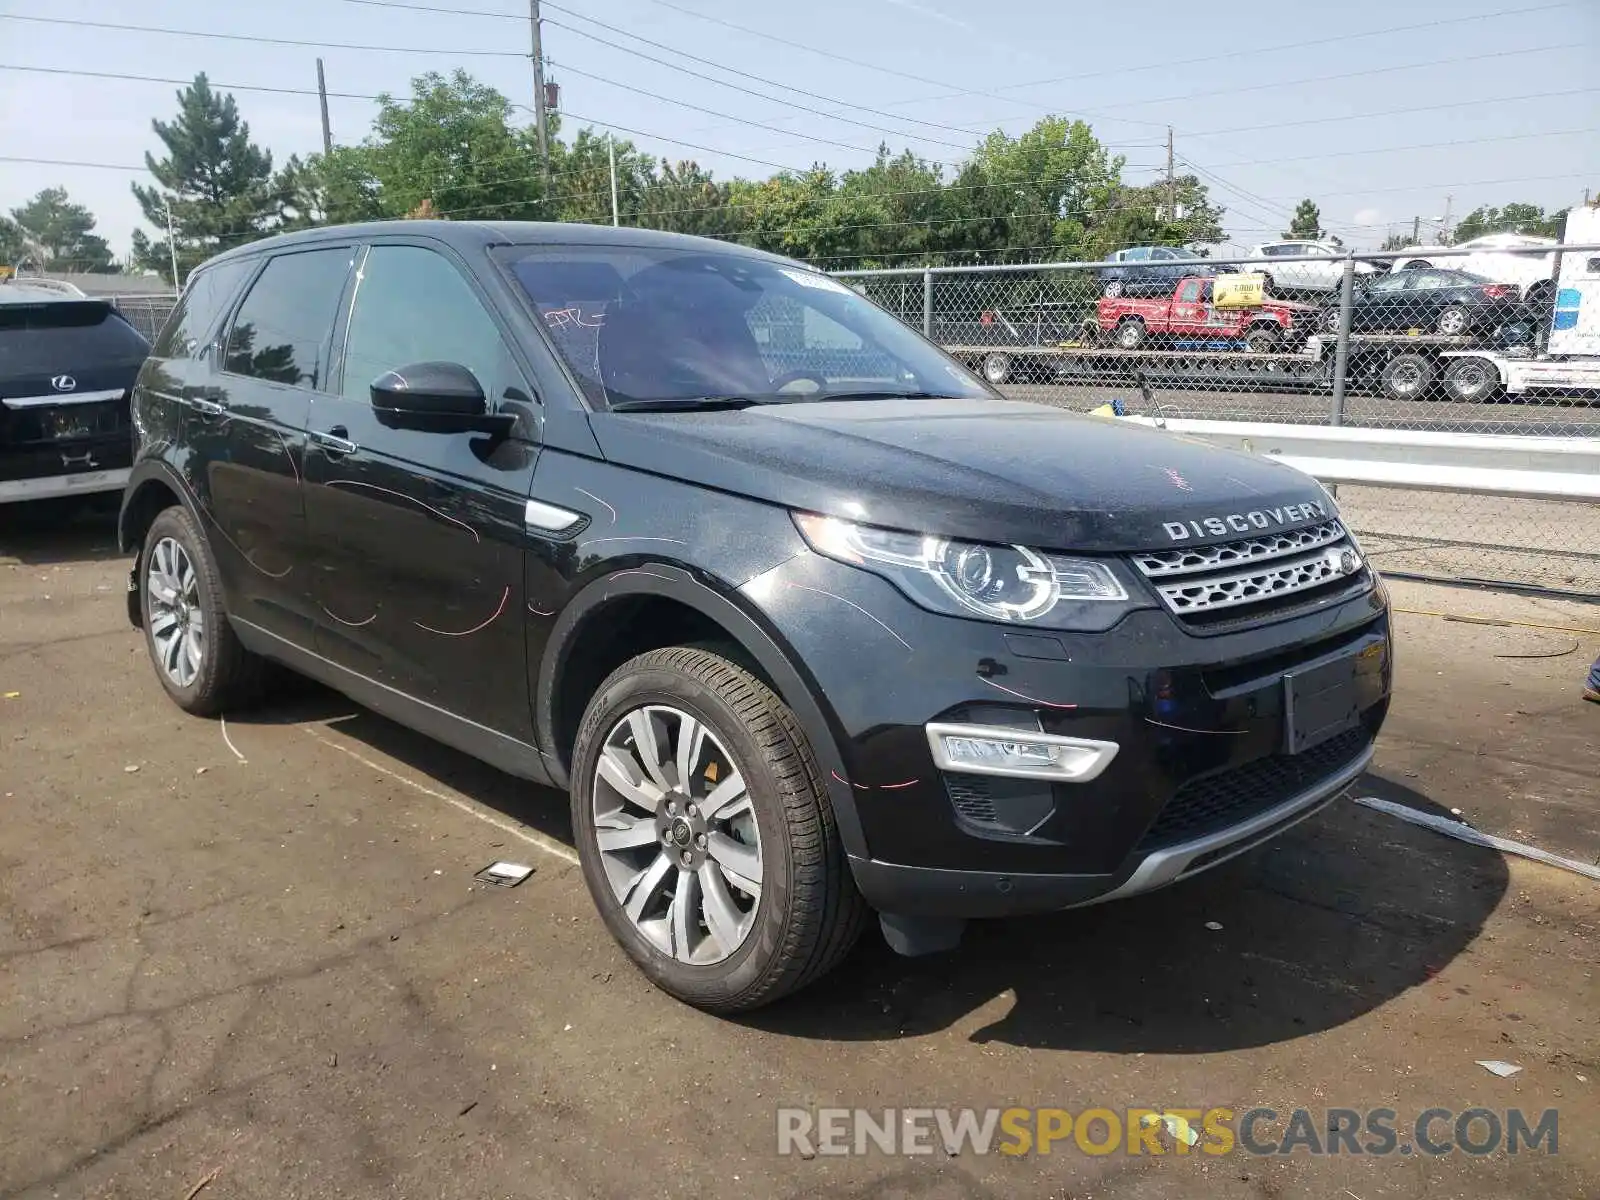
(987,470)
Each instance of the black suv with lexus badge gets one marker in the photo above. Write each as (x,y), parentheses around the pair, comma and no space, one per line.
(809,622)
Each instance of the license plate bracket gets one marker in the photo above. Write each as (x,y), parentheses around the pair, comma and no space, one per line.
(1326,699)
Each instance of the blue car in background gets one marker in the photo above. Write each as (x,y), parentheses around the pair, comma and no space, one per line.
(1147,270)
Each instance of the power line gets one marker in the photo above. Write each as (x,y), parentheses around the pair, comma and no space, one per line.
(257,38)
(834,116)
(1389,112)
(1365,72)
(729,70)
(1478,141)
(628,87)
(771,37)
(1452,21)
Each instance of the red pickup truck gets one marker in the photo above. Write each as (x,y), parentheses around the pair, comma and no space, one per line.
(1188,313)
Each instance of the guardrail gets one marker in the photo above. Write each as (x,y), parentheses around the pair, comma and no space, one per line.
(1538,468)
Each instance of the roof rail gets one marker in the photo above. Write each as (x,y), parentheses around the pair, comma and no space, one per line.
(45,284)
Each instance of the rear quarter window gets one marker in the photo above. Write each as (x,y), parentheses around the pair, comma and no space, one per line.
(193,322)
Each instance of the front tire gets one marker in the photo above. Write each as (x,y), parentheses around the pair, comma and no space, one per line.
(1262,340)
(997,368)
(706,833)
(197,656)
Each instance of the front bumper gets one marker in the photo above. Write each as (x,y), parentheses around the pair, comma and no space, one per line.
(1204,768)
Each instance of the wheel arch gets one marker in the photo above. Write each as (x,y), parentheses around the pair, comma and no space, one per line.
(662,605)
(152,487)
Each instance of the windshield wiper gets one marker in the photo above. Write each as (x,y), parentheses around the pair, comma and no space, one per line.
(883,395)
(685,404)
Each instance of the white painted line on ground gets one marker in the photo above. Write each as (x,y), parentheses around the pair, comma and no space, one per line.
(1467,833)
(537,840)
(229,740)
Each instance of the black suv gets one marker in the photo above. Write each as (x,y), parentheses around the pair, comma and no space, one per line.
(807,619)
(66,367)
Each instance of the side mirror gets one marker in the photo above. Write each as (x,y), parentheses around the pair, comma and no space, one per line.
(436,397)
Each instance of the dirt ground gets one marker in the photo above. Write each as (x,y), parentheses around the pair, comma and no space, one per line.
(251,955)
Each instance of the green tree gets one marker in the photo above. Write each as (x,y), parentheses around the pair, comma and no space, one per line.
(1513,218)
(1398,241)
(916,217)
(329,189)
(58,235)
(217,183)
(683,197)
(1044,190)
(453,145)
(13,245)
(1306,224)
(1140,216)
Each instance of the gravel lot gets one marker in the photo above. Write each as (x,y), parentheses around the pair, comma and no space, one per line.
(252,954)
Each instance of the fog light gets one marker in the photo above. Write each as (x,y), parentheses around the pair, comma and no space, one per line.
(1019,753)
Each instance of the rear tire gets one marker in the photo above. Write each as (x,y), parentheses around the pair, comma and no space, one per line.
(1454,321)
(997,368)
(1114,289)
(1472,381)
(197,656)
(1407,377)
(724,951)
(1131,334)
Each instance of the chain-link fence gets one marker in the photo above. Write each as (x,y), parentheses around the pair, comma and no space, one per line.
(147,314)
(1475,338)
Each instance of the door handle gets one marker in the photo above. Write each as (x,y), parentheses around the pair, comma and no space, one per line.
(334,441)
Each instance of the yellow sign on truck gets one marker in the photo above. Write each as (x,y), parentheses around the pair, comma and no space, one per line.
(1244,290)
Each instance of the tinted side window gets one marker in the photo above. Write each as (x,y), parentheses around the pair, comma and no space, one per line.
(1190,290)
(281,330)
(411,306)
(194,319)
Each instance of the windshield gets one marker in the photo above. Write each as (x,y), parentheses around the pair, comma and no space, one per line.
(647,325)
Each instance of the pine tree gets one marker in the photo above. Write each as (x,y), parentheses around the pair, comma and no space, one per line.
(1306,223)
(58,235)
(217,183)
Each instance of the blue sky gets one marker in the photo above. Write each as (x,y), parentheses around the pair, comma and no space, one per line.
(1513,93)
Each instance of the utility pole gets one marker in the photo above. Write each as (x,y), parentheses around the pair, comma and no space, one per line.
(1172,182)
(322,94)
(538,86)
(1416,231)
(172,249)
(611,153)
(1444,221)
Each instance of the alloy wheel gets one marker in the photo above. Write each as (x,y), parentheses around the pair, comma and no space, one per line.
(177,624)
(676,829)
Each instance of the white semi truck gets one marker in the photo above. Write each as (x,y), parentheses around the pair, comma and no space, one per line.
(1571,356)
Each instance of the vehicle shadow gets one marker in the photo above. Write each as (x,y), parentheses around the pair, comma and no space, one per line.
(1340,915)
(296,700)
(69,530)
(1337,917)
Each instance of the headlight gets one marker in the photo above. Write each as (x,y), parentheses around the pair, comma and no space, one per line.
(998,583)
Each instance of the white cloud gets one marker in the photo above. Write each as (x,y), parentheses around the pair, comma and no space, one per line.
(1368,216)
